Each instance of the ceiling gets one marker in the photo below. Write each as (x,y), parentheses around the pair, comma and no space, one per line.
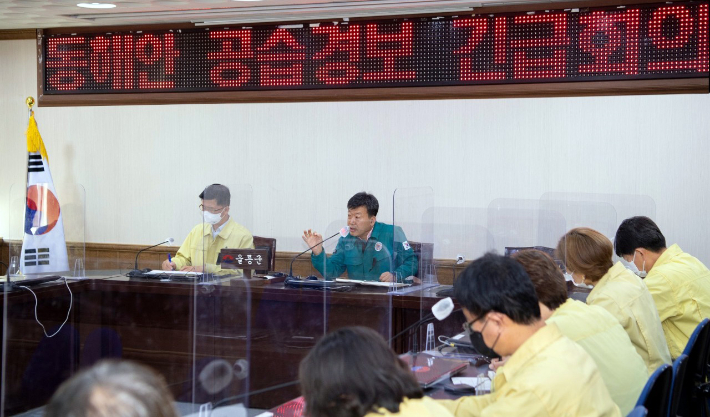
(41,14)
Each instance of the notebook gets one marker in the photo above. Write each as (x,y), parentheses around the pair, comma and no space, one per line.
(430,370)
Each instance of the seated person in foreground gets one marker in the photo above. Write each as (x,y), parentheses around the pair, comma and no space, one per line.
(678,282)
(587,254)
(592,327)
(547,374)
(352,373)
(112,388)
(367,252)
(218,231)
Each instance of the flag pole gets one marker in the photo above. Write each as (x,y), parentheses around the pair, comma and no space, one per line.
(30,101)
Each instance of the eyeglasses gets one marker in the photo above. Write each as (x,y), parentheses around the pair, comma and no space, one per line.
(210,209)
(469,330)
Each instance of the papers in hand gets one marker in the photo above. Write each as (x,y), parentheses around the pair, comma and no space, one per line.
(373,283)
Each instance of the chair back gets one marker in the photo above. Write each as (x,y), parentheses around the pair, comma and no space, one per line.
(680,388)
(693,400)
(698,348)
(425,256)
(655,396)
(270,244)
(638,411)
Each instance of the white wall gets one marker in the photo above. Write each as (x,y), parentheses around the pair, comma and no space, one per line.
(142,166)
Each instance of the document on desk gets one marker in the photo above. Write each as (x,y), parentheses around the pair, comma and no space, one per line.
(373,283)
(482,383)
(270,277)
(173,273)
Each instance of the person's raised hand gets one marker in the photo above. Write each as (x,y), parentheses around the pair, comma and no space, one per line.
(312,239)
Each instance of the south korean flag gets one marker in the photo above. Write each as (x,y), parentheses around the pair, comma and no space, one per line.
(44,249)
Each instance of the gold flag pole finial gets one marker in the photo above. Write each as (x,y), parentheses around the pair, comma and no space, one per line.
(30,101)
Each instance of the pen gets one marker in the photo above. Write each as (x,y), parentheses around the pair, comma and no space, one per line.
(170,260)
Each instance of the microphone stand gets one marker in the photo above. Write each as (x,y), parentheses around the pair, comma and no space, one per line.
(135,266)
(290,268)
(423,320)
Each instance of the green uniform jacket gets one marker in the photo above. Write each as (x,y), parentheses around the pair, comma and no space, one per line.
(364,261)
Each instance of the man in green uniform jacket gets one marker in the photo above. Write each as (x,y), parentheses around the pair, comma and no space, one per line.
(372,251)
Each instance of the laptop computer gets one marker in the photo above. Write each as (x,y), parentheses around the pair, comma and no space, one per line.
(430,370)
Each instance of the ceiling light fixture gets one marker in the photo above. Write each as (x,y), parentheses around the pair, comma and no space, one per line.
(97,5)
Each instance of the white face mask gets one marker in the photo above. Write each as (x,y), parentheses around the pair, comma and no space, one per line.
(212,218)
(629,265)
(642,273)
(568,277)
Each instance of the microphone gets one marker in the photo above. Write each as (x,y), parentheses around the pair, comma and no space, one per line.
(168,240)
(441,310)
(459,260)
(448,292)
(343,232)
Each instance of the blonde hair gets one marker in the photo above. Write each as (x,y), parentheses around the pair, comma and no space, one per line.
(587,252)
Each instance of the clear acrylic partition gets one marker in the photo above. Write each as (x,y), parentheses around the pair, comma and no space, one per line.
(599,216)
(460,236)
(624,205)
(413,244)
(594,223)
(47,225)
(40,336)
(219,371)
(515,224)
(524,224)
(290,317)
(333,228)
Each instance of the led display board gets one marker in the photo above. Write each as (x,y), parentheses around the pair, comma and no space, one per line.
(668,40)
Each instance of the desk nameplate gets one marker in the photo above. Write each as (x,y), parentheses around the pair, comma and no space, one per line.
(245,259)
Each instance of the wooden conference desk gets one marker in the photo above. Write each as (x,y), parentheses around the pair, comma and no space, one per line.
(177,328)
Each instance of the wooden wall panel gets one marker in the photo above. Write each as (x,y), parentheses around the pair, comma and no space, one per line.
(115,256)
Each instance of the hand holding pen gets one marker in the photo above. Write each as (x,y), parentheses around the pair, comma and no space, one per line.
(169,265)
